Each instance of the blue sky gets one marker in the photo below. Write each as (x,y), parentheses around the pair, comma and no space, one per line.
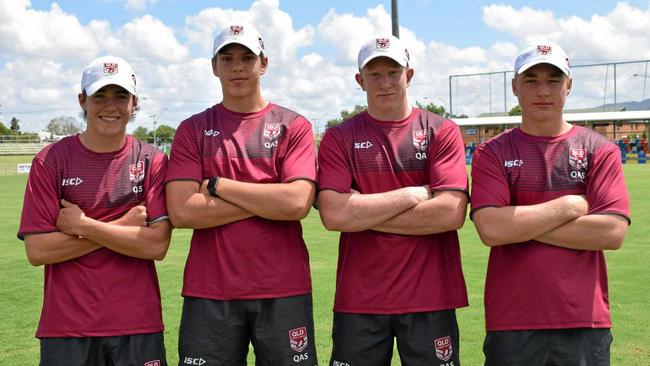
(44,46)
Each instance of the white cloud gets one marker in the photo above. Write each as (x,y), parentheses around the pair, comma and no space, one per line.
(312,67)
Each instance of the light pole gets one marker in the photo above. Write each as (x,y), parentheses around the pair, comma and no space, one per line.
(156,118)
(645,78)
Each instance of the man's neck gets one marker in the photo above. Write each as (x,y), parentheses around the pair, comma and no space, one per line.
(397,114)
(245,105)
(547,128)
(100,144)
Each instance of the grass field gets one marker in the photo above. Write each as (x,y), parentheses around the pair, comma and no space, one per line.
(21,285)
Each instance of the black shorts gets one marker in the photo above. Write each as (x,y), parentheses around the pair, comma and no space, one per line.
(216,332)
(127,350)
(579,346)
(429,338)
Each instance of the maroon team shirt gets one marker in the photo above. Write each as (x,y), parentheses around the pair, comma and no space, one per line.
(102,293)
(382,273)
(252,258)
(533,285)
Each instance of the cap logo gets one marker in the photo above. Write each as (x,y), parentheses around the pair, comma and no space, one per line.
(236,30)
(544,50)
(382,43)
(110,68)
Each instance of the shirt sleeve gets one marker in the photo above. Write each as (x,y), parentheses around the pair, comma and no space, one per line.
(41,203)
(489,185)
(300,158)
(185,158)
(334,171)
(446,159)
(606,190)
(155,196)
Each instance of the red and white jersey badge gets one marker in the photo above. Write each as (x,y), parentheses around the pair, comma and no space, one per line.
(298,339)
(152,363)
(382,43)
(110,68)
(420,140)
(578,158)
(443,348)
(272,131)
(136,171)
(544,50)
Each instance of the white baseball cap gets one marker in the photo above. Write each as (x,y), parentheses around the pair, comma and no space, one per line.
(108,70)
(543,53)
(386,46)
(240,33)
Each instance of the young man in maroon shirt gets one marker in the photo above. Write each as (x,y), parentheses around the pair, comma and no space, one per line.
(242,176)
(547,197)
(94,214)
(393,181)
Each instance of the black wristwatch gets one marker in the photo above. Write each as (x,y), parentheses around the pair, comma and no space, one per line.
(212,186)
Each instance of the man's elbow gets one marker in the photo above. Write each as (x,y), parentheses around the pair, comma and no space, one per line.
(489,237)
(179,219)
(34,258)
(296,211)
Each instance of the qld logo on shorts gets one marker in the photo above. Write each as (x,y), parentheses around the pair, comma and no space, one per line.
(136,171)
(443,348)
(298,339)
(153,363)
(420,140)
(578,158)
(110,68)
(272,131)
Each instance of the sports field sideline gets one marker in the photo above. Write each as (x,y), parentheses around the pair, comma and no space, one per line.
(21,284)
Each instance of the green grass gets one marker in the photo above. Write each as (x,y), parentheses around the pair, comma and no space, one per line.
(21,285)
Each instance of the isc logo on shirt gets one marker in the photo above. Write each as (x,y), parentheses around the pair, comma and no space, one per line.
(71,181)
(513,163)
(363,145)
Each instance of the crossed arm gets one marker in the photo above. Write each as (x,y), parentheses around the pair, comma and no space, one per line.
(562,222)
(191,206)
(408,210)
(79,235)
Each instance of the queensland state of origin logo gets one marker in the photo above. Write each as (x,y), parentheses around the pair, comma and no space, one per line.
(443,348)
(578,158)
(136,171)
(298,339)
(110,68)
(272,131)
(420,140)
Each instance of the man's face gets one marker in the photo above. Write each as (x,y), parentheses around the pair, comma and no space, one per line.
(542,92)
(108,110)
(385,82)
(239,70)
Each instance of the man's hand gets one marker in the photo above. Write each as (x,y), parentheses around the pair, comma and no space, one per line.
(136,216)
(70,218)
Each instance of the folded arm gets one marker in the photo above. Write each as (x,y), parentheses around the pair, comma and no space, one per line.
(139,240)
(351,212)
(589,232)
(190,206)
(274,201)
(444,212)
(56,247)
(515,224)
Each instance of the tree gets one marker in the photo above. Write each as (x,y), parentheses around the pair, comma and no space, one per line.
(165,133)
(432,107)
(4,130)
(345,114)
(143,134)
(63,126)
(515,111)
(15,126)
